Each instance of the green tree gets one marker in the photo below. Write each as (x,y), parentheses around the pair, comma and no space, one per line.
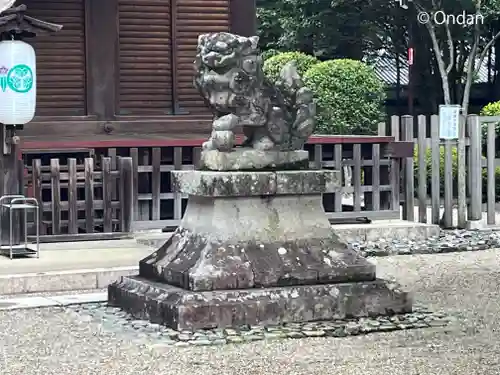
(327,29)
(460,47)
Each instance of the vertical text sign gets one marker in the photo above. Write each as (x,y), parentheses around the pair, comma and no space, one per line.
(449,117)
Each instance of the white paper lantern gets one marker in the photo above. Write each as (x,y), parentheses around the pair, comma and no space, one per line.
(17,82)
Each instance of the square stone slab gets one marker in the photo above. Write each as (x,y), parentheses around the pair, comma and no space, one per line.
(250,184)
(244,159)
(184,310)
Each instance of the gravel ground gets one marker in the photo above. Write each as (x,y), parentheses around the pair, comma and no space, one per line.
(114,319)
(465,285)
(448,241)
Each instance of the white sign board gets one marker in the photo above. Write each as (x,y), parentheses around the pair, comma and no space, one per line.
(449,121)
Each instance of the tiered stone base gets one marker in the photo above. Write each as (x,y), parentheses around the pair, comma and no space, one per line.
(255,248)
(247,159)
(182,309)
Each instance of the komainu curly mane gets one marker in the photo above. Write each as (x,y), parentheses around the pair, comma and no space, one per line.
(229,76)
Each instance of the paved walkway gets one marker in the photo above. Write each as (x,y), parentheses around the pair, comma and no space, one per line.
(53,341)
(78,255)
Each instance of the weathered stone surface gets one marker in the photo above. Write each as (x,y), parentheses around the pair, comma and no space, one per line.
(227,243)
(185,310)
(224,184)
(245,159)
(255,247)
(205,263)
(307,182)
(250,184)
(229,76)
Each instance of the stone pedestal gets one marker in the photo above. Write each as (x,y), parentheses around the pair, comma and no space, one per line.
(248,159)
(255,247)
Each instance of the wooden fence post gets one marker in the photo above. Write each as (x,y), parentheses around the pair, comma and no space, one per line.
(107,189)
(134,154)
(55,177)
(475,171)
(422,169)
(89,194)
(36,178)
(126,194)
(156,182)
(448,184)
(462,179)
(435,170)
(177,196)
(491,177)
(72,197)
(394,174)
(409,191)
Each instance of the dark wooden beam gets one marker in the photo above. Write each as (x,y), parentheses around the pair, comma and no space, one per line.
(86,130)
(101,33)
(243,17)
(178,138)
(398,150)
(10,177)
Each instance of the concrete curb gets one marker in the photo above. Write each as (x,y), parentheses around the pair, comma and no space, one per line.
(51,301)
(85,279)
(388,229)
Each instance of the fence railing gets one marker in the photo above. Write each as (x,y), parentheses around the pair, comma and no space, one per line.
(448,174)
(82,198)
(70,193)
(128,188)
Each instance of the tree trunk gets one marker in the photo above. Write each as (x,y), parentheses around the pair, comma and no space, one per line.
(446,88)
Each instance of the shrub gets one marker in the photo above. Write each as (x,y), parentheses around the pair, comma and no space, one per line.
(428,164)
(485,183)
(273,65)
(267,54)
(454,169)
(492,109)
(349,97)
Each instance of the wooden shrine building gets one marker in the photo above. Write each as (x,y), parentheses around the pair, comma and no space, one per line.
(122,69)
(117,111)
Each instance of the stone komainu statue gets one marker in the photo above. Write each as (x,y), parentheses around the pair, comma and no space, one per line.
(229,76)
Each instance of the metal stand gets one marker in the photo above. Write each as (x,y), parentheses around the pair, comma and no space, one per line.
(20,202)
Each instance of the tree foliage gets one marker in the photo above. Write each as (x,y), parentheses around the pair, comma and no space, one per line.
(327,28)
(359,29)
(349,97)
(460,48)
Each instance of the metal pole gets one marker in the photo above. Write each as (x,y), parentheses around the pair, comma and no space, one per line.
(411,57)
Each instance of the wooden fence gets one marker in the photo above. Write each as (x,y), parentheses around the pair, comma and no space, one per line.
(448,174)
(374,191)
(86,198)
(119,190)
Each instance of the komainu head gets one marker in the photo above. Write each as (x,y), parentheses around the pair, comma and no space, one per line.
(229,76)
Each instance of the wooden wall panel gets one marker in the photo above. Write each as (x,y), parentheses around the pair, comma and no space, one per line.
(60,58)
(195,17)
(145,72)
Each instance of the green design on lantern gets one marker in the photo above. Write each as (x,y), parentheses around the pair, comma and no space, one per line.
(20,78)
(3,83)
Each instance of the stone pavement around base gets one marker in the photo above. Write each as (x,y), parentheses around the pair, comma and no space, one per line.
(466,285)
(66,256)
